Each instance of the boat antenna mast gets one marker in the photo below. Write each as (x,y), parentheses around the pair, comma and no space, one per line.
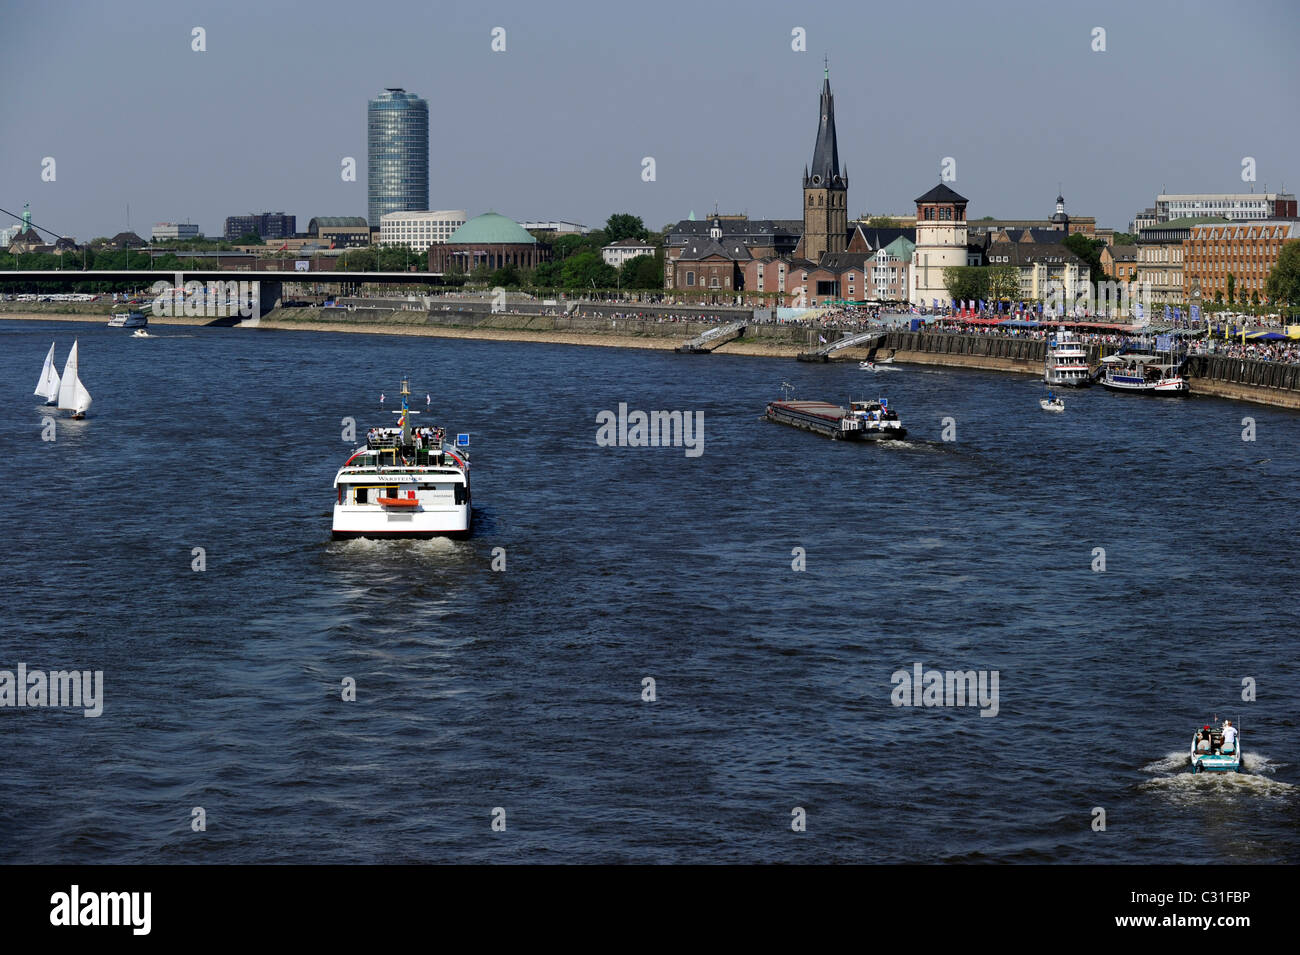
(404,422)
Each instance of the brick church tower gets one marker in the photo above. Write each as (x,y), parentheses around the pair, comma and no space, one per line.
(825,190)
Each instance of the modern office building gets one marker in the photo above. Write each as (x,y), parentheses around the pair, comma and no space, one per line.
(419,230)
(267,225)
(1232,206)
(397,144)
(163,231)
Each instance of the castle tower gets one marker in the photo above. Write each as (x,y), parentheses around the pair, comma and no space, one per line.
(825,189)
(1061,221)
(940,243)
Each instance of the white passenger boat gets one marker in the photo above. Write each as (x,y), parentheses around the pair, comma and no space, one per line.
(73,395)
(405,481)
(1066,364)
(1142,374)
(48,386)
(134,318)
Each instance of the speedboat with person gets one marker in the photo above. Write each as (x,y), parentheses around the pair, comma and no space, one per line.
(1217,750)
(1052,403)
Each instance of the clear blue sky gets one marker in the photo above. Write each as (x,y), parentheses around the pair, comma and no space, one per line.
(556,126)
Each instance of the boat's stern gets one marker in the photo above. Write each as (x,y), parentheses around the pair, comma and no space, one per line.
(1213,759)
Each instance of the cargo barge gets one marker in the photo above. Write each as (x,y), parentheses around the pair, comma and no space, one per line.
(822,417)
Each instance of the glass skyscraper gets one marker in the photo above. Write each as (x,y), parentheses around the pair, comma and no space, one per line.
(397,137)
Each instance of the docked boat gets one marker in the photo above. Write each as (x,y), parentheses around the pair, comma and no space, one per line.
(405,481)
(1052,403)
(48,385)
(73,395)
(133,318)
(1066,364)
(1142,374)
(879,421)
(1211,754)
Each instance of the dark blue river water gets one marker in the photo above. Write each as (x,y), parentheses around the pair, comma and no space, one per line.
(522,689)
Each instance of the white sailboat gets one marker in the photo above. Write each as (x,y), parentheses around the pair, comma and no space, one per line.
(73,395)
(48,386)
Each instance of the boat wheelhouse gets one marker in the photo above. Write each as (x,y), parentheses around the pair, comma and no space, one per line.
(1142,374)
(1066,364)
(879,421)
(406,481)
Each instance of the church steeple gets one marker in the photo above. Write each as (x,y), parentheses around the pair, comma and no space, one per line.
(826,153)
(825,187)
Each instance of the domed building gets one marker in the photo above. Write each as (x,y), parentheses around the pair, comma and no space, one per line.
(491,240)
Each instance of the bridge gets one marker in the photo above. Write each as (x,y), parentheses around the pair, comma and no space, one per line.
(267,285)
(871,336)
(712,339)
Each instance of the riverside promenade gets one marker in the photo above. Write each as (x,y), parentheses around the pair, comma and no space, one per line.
(667,327)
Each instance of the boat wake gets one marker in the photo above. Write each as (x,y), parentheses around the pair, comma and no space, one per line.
(1172,777)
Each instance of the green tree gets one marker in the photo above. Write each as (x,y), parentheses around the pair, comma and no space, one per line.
(1254,297)
(624,225)
(882,222)
(571,244)
(360,260)
(1004,283)
(1232,288)
(506,277)
(1218,296)
(588,270)
(1124,238)
(966,282)
(548,275)
(1283,285)
(642,272)
(1087,249)
(249,238)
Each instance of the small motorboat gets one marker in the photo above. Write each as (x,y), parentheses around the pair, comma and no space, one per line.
(871,365)
(1210,754)
(1055,403)
(140,333)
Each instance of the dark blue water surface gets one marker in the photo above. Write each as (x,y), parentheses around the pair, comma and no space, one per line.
(522,689)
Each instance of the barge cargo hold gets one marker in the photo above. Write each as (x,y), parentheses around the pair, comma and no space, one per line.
(818,416)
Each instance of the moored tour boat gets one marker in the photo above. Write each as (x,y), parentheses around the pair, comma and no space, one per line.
(133,318)
(1066,364)
(404,482)
(1142,374)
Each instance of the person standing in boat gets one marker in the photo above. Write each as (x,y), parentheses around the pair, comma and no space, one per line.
(1229,737)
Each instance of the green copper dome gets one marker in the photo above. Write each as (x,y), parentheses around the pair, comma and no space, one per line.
(491,229)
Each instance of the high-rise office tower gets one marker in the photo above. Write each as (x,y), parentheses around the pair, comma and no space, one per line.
(397,140)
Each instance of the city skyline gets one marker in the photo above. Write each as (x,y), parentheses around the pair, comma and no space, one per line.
(559,123)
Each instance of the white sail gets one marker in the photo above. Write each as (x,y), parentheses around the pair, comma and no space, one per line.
(82,399)
(68,384)
(48,386)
